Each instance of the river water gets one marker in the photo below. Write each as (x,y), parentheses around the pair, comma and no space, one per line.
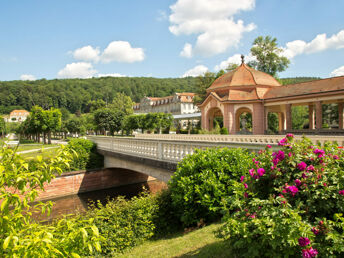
(79,202)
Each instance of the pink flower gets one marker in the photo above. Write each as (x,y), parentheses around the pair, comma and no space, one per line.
(290,135)
(269,146)
(292,189)
(261,171)
(312,252)
(335,157)
(304,175)
(341,192)
(303,241)
(242,178)
(315,231)
(245,195)
(246,186)
(297,182)
(251,171)
(308,253)
(302,166)
(310,168)
(283,142)
(290,154)
(320,153)
(324,184)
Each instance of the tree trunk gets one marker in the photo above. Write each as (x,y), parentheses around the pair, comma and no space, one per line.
(44,138)
(49,137)
(38,137)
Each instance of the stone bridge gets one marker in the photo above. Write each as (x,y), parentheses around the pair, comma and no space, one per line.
(158,155)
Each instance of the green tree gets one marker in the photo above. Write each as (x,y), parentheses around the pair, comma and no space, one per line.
(203,83)
(268,55)
(107,119)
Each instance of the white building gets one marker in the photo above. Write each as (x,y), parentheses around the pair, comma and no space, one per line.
(179,103)
(17,116)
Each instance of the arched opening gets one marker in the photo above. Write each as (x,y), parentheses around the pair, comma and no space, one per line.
(214,119)
(243,121)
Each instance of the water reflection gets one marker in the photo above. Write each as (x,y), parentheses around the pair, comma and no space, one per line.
(79,202)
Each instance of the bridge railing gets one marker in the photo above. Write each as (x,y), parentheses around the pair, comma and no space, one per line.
(164,150)
(174,148)
(263,139)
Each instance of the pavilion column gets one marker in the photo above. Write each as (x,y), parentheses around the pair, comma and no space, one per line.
(258,123)
(226,117)
(266,120)
(318,110)
(288,116)
(204,119)
(311,116)
(341,115)
(231,119)
(280,121)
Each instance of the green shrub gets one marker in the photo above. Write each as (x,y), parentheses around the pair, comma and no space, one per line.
(203,179)
(224,131)
(124,223)
(293,194)
(86,154)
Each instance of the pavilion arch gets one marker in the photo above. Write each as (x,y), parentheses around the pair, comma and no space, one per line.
(211,114)
(238,113)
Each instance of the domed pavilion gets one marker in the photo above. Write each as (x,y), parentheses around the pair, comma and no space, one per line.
(248,91)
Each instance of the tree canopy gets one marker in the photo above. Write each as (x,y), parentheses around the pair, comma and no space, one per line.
(269,56)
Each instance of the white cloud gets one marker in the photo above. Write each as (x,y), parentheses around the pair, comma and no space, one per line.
(320,43)
(121,51)
(77,70)
(213,21)
(27,77)
(196,71)
(187,51)
(87,53)
(111,75)
(337,72)
(234,59)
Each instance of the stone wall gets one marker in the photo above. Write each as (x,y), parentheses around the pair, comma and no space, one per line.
(86,181)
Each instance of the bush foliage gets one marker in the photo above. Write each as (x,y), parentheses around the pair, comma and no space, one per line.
(203,179)
(86,156)
(289,203)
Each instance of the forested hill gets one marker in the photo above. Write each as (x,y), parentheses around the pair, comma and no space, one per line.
(75,94)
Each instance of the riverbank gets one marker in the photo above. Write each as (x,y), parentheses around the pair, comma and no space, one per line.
(198,243)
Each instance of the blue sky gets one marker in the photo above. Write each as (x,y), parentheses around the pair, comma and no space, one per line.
(172,38)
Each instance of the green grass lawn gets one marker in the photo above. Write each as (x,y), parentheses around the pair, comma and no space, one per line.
(46,153)
(24,147)
(198,243)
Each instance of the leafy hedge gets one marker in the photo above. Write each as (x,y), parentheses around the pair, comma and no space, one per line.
(203,180)
(86,155)
(289,203)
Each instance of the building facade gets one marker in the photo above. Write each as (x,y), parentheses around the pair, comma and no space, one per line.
(17,116)
(177,104)
(246,90)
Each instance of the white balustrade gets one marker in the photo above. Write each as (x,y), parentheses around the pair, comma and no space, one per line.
(173,148)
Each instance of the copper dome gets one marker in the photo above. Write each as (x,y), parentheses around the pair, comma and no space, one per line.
(244,76)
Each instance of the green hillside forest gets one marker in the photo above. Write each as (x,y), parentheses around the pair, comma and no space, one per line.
(75,94)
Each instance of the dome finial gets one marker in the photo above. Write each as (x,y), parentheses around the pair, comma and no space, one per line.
(242,59)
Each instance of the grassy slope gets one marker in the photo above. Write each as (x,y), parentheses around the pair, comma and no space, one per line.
(198,243)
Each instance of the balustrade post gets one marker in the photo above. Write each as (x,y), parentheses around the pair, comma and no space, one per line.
(160,151)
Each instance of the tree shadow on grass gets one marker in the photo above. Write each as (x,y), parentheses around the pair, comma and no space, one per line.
(215,250)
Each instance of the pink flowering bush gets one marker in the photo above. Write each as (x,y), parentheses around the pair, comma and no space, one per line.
(289,204)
